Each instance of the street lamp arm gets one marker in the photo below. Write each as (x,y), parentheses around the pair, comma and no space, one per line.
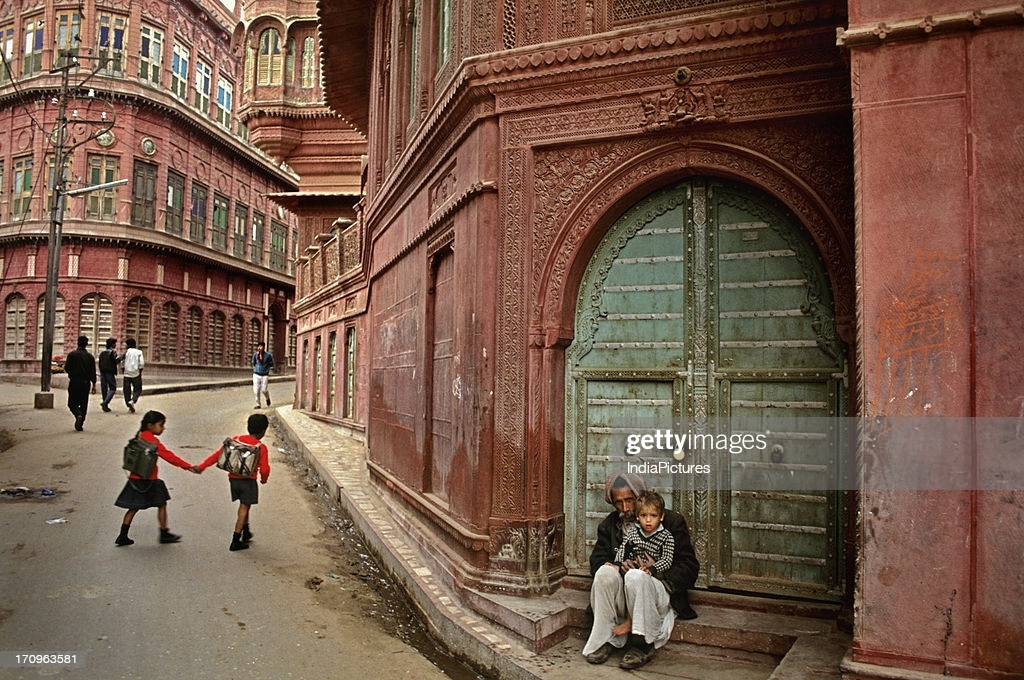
(97,187)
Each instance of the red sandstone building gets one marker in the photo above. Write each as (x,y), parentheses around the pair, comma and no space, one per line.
(288,119)
(586,220)
(191,257)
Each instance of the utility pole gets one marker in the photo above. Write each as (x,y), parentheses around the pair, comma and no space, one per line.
(44,399)
(59,194)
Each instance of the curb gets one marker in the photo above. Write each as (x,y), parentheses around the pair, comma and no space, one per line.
(467,635)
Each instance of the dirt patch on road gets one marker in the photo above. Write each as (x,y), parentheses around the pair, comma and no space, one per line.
(357,578)
(6,440)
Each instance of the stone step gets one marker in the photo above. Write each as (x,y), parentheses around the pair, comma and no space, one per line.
(751,624)
(747,630)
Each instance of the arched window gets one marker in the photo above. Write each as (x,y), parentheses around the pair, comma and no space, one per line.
(250,66)
(137,322)
(272,330)
(289,63)
(444,32)
(268,64)
(254,337)
(193,335)
(236,337)
(14,329)
(96,318)
(169,314)
(308,63)
(414,59)
(215,339)
(58,325)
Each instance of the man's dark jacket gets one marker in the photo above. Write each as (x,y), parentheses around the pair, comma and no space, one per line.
(108,361)
(80,367)
(679,578)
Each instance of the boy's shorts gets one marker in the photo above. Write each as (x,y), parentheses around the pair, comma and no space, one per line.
(244,490)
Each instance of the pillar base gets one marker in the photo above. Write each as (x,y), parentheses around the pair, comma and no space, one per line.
(44,400)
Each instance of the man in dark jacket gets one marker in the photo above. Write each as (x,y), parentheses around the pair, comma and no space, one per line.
(108,361)
(608,597)
(81,369)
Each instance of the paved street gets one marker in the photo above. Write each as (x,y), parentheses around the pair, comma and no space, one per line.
(293,606)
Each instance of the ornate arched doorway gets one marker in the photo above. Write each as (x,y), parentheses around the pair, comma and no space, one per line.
(706,312)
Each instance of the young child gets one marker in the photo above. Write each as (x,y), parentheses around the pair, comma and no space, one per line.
(646,545)
(139,494)
(244,489)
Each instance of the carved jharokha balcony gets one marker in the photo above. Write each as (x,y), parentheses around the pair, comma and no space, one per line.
(330,261)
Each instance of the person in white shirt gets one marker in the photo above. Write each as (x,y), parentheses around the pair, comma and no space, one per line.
(132,363)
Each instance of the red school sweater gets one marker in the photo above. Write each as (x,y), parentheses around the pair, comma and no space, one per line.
(163,452)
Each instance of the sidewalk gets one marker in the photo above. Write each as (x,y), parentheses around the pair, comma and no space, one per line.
(723,643)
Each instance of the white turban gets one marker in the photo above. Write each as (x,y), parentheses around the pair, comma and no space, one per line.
(634,482)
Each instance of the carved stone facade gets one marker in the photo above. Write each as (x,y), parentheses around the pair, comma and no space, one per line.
(282,105)
(502,149)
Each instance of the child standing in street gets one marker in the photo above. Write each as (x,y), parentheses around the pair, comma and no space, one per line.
(139,494)
(244,489)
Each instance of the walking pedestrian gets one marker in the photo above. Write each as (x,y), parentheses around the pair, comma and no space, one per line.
(133,363)
(108,361)
(243,488)
(139,494)
(81,369)
(262,362)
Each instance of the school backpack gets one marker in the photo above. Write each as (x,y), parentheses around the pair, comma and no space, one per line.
(139,457)
(239,458)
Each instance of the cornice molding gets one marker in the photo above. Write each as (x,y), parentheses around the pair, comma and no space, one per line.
(930,25)
(113,235)
(438,218)
(628,41)
(282,110)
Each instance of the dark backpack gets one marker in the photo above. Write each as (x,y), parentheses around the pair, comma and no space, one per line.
(239,458)
(139,457)
(108,361)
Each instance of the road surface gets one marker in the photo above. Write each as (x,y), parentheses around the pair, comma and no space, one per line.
(292,606)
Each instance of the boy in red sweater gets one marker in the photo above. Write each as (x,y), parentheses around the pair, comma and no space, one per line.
(244,489)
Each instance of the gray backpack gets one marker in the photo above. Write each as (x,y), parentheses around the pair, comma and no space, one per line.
(239,458)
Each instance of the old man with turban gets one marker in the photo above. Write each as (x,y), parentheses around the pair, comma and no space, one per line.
(632,593)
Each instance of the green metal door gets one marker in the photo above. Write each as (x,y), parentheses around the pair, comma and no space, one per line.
(706,314)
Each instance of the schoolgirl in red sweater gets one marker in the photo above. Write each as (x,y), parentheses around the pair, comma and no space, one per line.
(139,494)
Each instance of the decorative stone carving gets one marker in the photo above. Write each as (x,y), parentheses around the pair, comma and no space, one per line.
(510,431)
(443,189)
(602,47)
(682,105)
